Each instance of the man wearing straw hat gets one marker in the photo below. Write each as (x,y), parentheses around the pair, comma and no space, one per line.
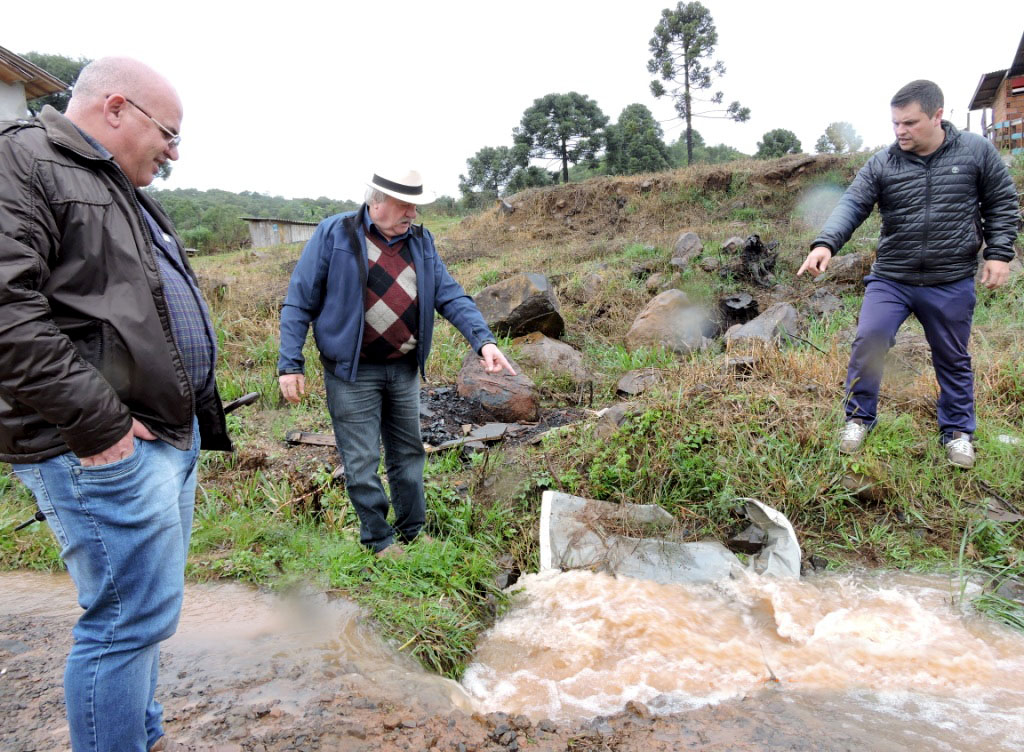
(369,282)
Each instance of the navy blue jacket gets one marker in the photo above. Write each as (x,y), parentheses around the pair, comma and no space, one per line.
(935,212)
(328,288)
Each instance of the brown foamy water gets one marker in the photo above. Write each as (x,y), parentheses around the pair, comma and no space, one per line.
(579,644)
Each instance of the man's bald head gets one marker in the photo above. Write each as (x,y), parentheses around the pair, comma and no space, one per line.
(131,110)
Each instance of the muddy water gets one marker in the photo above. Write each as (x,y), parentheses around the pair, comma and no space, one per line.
(258,646)
(874,663)
(886,655)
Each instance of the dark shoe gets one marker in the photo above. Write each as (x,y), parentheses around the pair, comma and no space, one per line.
(851,437)
(394,551)
(163,744)
(960,451)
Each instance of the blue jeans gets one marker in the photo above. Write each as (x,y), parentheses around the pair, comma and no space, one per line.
(381,406)
(945,313)
(124,531)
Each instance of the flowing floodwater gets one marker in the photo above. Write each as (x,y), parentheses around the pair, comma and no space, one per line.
(887,654)
(873,662)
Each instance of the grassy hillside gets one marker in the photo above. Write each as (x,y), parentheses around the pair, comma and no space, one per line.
(702,438)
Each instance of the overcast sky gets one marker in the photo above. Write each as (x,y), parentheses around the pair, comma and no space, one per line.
(306,99)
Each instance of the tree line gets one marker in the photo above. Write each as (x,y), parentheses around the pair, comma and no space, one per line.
(564,131)
(570,132)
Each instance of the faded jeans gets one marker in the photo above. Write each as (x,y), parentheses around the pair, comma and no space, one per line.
(124,531)
(381,406)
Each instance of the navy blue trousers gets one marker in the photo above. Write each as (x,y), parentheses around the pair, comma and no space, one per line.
(945,312)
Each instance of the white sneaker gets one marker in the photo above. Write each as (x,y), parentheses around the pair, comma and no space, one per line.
(851,437)
(960,451)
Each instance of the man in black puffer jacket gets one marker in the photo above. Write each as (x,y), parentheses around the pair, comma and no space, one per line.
(940,193)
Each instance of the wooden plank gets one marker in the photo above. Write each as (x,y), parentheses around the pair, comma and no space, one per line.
(305,437)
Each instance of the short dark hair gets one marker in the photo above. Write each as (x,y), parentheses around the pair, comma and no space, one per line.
(925,93)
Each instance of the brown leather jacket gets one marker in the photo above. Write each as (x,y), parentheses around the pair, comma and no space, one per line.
(85,338)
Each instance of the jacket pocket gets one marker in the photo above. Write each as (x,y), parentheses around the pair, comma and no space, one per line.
(101,346)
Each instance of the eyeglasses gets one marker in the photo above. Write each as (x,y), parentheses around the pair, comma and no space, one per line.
(173,139)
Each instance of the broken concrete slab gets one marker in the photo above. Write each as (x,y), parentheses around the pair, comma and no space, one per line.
(634,540)
(577,533)
(781,555)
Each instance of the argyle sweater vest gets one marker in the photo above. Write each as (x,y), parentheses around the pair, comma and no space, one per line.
(391,306)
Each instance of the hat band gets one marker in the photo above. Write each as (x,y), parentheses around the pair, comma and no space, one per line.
(411,190)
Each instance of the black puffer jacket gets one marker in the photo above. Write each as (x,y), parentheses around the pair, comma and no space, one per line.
(85,335)
(935,213)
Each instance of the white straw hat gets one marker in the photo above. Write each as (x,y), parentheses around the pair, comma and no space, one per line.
(405,187)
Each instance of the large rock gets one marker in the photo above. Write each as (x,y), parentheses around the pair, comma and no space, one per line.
(541,352)
(521,304)
(779,321)
(500,395)
(669,321)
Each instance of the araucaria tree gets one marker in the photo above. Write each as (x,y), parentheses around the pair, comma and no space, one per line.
(567,127)
(636,143)
(838,138)
(683,43)
(777,143)
(491,168)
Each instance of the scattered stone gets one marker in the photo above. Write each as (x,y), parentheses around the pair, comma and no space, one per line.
(672,322)
(215,288)
(777,323)
(542,352)
(866,488)
(505,397)
(733,244)
(687,248)
(504,207)
(638,381)
(521,304)
(744,365)
(710,264)
(521,722)
(1011,589)
(818,563)
(611,418)
(646,186)
(591,286)
(823,302)
(639,709)
(749,541)
(547,726)
(357,730)
(643,269)
(655,282)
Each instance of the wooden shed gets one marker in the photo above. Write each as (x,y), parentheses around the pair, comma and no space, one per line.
(1000,97)
(265,232)
(21,81)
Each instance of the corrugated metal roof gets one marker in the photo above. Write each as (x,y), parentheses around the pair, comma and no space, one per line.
(988,86)
(281,221)
(14,69)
